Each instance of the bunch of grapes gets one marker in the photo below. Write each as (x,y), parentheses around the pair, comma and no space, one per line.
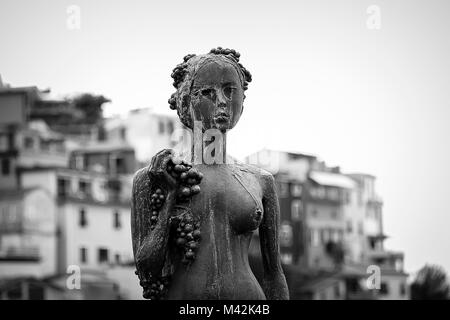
(187,236)
(157,200)
(187,228)
(154,287)
(188,178)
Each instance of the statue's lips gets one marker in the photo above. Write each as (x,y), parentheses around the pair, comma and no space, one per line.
(222,118)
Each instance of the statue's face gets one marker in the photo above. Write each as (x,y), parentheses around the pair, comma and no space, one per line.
(217,96)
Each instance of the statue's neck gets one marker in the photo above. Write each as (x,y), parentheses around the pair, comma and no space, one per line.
(209,149)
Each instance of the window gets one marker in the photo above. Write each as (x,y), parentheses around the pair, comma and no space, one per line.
(318,192)
(59,146)
(117,224)
(117,258)
(102,255)
(372,243)
(375,215)
(35,292)
(15,293)
(399,265)
(286,235)
(45,145)
(170,127)
(79,162)
(333,194)
(6,168)
(360,228)
(62,186)
(24,290)
(83,255)
(402,289)
(349,226)
(82,218)
(360,198)
(324,235)
(296,210)
(384,289)
(335,235)
(340,235)
(28,143)
(337,291)
(4,142)
(286,258)
(321,192)
(284,189)
(84,188)
(296,190)
(347,197)
(123,133)
(161,127)
(120,165)
(315,237)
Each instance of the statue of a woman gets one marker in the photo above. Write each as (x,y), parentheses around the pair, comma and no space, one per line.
(192,223)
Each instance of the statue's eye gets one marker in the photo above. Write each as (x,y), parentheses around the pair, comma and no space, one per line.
(228,92)
(207,92)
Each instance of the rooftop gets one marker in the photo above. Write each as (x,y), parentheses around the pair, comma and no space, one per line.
(332,179)
(104,146)
(15,194)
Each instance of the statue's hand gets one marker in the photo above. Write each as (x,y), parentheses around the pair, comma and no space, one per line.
(158,170)
(173,174)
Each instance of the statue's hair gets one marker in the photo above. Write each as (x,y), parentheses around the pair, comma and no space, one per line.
(184,73)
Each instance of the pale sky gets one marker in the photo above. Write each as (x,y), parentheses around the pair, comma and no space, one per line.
(374,101)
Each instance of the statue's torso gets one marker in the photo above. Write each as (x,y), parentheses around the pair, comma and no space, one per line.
(230,209)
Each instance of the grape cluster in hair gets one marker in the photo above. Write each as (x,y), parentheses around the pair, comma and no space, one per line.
(180,71)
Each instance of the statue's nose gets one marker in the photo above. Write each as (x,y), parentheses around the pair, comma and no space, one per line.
(221,99)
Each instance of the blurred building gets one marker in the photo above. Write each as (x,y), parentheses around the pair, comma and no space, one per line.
(331,229)
(94,285)
(65,189)
(325,194)
(28,230)
(64,200)
(147,131)
(24,142)
(364,213)
(92,198)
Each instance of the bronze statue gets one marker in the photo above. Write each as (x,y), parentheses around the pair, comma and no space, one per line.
(192,222)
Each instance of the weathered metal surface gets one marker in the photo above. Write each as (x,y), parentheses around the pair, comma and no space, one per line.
(192,224)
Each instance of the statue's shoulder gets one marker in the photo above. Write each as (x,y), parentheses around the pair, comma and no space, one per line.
(141,185)
(141,178)
(264,177)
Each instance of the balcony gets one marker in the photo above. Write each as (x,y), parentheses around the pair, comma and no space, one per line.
(109,190)
(24,254)
(386,260)
(32,158)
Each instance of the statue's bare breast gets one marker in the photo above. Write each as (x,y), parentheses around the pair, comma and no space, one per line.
(230,209)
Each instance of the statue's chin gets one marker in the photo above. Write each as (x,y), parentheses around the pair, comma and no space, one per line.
(222,126)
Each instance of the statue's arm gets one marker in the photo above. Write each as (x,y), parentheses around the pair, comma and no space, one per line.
(149,246)
(274,282)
